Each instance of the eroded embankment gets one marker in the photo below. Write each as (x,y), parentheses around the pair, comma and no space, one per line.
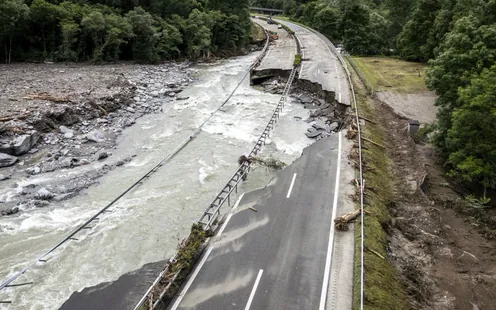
(419,254)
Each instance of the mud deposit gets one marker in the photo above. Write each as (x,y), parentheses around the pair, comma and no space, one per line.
(445,262)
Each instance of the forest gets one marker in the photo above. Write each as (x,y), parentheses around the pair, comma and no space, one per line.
(110,30)
(457,38)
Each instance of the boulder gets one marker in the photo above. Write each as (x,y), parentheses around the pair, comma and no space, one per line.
(68,133)
(43,194)
(129,109)
(102,155)
(305,99)
(4,177)
(333,126)
(24,143)
(182,98)
(319,124)
(7,160)
(171,94)
(315,134)
(95,136)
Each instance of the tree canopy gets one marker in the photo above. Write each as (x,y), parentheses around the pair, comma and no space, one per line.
(109,30)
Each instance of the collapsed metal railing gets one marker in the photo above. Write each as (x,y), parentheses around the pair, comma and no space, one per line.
(237,177)
(213,210)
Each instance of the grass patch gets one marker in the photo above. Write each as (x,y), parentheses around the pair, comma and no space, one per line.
(297,60)
(383,286)
(257,33)
(387,73)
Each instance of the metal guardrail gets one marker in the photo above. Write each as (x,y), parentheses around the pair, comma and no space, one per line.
(361,179)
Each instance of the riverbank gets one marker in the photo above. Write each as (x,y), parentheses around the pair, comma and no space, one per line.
(57,116)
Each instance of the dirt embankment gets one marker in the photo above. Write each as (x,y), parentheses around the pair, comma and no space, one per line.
(444,260)
(55,116)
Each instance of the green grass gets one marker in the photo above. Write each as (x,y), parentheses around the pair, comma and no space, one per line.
(297,60)
(386,73)
(383,287)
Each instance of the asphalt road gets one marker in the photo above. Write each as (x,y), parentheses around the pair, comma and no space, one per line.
(281,52)
(319,65)
(279,256)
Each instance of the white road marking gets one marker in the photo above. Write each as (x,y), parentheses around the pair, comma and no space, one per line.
(325,284)
(253,290)
(291,186)
(204,259)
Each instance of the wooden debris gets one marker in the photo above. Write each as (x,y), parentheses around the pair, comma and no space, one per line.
(46,96)
(341,222)
(253,209)
(376,253)
(374,143)
(366,119)
(7,118)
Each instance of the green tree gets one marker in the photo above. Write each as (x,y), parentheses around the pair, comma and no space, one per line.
(472,138)
(70,31)
(327,21)
(356,29)
(197,34)
(45,17)
(465,52)
(413,41)
(146,35)
(12,14)
(93,25)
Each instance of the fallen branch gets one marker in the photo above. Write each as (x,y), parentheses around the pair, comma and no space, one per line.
(45,96)
(376,253)
(267,162)
(374,143)
(341,222)
(7,118)
(366,119)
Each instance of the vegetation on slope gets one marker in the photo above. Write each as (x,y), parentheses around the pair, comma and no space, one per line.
(387,73)
(104,30)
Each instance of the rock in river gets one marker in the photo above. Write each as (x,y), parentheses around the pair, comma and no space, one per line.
(95,136)
(7,160)
(43,194)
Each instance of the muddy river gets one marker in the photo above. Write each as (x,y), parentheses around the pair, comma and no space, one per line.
(147,224)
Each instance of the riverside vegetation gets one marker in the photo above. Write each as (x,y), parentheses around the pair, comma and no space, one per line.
(110,30)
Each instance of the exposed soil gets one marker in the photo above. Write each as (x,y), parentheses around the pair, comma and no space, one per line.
(445,261)
(419,106)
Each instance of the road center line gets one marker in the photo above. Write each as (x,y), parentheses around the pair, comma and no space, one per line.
(325,284)
(291,186)
(253,290)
